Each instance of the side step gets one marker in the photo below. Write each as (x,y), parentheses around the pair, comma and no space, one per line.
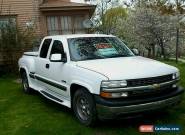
(51,96)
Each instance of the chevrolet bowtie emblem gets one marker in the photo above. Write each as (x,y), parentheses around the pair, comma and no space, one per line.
(156,86)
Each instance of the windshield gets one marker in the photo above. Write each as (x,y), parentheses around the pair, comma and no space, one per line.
(89,48)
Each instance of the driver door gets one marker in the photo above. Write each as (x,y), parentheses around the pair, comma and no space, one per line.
(58,71)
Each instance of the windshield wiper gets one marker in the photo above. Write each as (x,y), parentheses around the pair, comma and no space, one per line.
(115,56)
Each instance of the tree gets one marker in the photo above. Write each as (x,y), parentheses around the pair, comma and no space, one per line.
(150,29)
(99,16)
(175,8)
(112,18)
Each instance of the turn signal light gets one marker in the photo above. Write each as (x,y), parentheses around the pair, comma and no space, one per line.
(105,94)
(114,95)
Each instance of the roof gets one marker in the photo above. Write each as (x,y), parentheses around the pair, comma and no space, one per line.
(80,35)
(53,5)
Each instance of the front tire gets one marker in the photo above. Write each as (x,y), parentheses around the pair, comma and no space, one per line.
(25,83)
(84,107)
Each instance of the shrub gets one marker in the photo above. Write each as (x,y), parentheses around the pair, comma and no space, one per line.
(13,42)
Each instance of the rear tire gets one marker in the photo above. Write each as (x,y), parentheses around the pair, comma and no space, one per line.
(25,83)
(84,107)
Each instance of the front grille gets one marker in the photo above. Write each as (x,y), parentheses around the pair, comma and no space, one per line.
(152,92)
(149,81)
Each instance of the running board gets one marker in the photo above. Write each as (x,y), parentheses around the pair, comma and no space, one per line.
(47,95)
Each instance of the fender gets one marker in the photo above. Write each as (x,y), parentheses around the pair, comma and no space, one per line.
(24,67)
(83,84)
(27,74)
(27,62)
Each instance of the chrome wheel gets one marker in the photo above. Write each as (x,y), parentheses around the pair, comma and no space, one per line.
(83,108)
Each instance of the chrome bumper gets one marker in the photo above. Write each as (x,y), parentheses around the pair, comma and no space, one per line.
(106,112)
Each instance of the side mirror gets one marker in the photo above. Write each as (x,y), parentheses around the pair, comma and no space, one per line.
(135,51)
(56,58)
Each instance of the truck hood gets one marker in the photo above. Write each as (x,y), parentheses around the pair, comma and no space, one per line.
(127,67)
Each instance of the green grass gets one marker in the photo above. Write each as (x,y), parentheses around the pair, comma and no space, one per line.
(183,58)
(22,114)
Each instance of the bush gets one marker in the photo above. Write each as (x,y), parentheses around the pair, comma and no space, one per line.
(13,42)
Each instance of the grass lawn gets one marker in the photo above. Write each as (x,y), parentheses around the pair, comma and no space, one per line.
(183,57)
(22,114)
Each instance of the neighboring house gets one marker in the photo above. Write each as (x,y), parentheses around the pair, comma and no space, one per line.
(48,17)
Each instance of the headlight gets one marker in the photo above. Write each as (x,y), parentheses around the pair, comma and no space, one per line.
(176,75)
(107,86)
(114,84)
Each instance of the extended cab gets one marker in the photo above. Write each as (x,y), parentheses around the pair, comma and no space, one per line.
(98,76)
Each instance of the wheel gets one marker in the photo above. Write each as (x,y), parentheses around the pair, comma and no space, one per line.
(84,107)
(25,83)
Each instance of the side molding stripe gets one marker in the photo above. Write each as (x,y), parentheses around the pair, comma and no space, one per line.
(51,83)
(32,75)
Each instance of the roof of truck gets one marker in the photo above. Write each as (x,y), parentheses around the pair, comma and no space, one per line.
(80,35)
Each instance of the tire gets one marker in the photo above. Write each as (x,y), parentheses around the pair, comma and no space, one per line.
(25,83)
(84,107)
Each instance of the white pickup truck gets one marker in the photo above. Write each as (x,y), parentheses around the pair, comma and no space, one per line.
(98,76)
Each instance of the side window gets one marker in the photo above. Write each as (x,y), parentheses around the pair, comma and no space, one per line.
(45,48)
(57,48)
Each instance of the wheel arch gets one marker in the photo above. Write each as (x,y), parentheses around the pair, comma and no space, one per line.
(21,70)
(24,69)
(74,87)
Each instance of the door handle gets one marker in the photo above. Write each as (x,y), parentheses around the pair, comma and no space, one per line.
(47,65)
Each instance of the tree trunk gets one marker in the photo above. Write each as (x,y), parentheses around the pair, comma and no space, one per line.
(149,52)
(177,45)
(162,49)
(153,50)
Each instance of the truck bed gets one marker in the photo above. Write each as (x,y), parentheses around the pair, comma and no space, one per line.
(31,54)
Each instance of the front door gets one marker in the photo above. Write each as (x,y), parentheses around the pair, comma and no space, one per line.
(58,71)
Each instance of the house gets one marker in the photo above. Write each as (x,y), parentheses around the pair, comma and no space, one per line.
(44,17)
(47,17)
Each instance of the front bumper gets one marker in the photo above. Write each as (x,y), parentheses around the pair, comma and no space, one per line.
(111,109)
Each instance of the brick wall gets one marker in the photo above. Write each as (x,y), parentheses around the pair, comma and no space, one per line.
(24,10)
